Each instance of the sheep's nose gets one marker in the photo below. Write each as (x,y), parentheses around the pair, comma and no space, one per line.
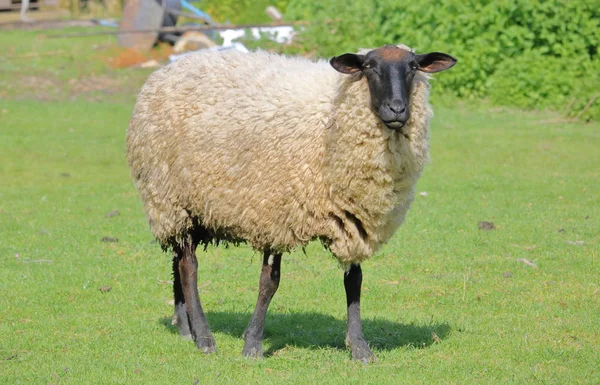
(397,108)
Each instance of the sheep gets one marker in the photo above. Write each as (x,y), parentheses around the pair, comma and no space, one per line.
(277,151)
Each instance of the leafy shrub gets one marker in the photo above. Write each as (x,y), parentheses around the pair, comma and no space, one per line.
(533,80)
(517,52)
(239,11)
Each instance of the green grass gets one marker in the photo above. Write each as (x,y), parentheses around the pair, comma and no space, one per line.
(443,302)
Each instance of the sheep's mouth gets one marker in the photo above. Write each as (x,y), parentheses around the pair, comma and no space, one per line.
(394,124)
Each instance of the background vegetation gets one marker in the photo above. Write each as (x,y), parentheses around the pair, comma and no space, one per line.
(524,53)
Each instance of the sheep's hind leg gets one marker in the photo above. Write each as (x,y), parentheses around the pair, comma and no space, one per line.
(354,335)
(188,274)
(180,317)
(269,282)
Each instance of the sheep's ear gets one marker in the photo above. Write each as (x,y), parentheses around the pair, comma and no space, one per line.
(347,63)
(435,62)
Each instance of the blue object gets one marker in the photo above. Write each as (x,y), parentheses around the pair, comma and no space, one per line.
(195,10)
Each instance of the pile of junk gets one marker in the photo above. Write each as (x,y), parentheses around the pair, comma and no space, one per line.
(145,23)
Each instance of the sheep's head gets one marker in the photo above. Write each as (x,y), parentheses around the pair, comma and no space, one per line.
(390,71)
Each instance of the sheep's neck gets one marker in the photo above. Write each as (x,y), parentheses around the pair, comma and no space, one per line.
(371,169)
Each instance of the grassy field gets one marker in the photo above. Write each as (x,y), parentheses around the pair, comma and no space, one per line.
(443,303)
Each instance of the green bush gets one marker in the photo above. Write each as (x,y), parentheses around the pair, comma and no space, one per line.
(239,11)
(533,80)
(515,52)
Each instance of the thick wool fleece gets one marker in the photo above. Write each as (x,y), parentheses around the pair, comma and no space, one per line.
(275,151)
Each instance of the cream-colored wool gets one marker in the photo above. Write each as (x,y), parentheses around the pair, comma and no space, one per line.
(275,151)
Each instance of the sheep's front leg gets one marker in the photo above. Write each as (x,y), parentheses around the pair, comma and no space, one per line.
(269,282)
(354,335)
(188,273)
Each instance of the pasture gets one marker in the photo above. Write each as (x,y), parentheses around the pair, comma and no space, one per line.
(86,293)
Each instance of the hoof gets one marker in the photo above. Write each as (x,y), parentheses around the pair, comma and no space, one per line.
(361,351)
(183,326)
(206,344)
(209,349)
(252,349)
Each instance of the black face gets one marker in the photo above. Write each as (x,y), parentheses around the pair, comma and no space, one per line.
(390,71)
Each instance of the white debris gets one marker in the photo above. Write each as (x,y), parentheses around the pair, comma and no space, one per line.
(150,64)
(237,46)
(281,35)
(274,13)
(528,262)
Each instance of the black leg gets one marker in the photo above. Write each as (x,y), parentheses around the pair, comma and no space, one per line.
(354,335)
(180,318)
(188,273)
(269,282)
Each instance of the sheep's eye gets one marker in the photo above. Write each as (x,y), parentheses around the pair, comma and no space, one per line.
(371,67)
(414,66)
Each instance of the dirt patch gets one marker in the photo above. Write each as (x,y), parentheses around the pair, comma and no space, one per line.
(124,58)
(127,58)
(92,83)
(49,88)
(31,86)
(93,87)
(42,83)
(485,225)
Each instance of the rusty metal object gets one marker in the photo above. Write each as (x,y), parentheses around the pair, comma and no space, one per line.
(145,16)
(6,4)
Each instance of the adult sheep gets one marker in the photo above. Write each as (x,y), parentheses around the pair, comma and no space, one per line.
(275,152)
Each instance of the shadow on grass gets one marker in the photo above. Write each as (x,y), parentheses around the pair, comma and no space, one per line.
(315,330)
